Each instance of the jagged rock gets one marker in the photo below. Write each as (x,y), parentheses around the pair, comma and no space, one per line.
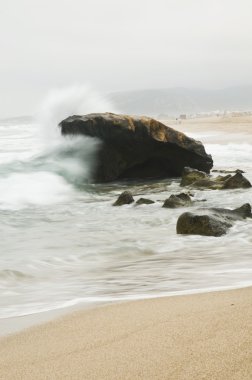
(137,147)
(236,182)
(221,178)
(179,200)
(125,198)
(144,201)
(211,222)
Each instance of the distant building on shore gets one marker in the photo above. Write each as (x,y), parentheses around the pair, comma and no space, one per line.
(183,116)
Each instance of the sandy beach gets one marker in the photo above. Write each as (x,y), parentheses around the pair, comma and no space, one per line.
(202,336)
(230,125)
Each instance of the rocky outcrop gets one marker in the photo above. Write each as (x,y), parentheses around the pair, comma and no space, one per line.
(211,222)
(179,200)
(125,198)
(200,180)
(137,147)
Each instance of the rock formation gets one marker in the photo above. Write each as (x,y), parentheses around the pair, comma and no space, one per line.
(200,180)
(137,147)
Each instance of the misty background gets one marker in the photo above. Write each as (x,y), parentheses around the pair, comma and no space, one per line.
(152,57)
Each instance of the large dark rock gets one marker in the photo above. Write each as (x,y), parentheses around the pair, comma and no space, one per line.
(211,222)
(137,147)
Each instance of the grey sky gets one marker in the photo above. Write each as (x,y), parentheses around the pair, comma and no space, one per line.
(118,45)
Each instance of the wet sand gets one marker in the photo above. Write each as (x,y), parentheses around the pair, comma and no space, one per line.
(202,336)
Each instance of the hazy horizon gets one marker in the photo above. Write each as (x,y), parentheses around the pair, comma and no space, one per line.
(116,46)
(152,102)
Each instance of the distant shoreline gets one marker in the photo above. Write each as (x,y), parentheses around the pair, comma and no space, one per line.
(216,129)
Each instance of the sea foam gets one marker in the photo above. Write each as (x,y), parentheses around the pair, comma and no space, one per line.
(49,166)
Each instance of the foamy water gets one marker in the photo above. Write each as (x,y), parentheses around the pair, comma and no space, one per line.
(63,243)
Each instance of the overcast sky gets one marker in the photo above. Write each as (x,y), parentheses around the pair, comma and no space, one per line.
(116,45)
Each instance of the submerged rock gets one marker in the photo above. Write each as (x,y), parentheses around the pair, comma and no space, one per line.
(207,183)
(211,222)
(137,147)
(125,198)
(179,200)
(144,201)
(227,171)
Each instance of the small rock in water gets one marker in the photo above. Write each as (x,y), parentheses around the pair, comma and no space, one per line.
(238,181)
(125,198)
(244,211)
(211,222)
(239,171)
(190,175)
(175,201)
(144,201)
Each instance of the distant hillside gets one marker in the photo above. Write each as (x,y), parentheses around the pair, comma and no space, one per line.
(176,101)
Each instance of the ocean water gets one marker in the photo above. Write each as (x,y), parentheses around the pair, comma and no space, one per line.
(62,242)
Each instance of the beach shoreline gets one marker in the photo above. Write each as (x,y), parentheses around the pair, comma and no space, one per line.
(204,334)
(17,324)
(198,336)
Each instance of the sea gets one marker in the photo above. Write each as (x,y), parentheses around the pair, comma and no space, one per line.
(62,243)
